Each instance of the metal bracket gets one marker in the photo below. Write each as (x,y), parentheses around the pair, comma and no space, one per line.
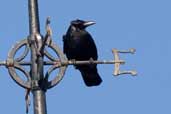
(35,85)
(117,70)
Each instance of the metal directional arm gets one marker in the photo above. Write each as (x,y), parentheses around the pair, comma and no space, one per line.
(117,65)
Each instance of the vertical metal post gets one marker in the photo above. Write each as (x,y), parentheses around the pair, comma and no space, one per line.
(39,97)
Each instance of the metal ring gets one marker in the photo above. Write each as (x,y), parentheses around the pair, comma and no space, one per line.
(24,54)
(48,55)
(62,69)
(27,84)
(11,69)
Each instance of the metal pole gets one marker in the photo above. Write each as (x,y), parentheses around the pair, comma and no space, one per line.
(39,97)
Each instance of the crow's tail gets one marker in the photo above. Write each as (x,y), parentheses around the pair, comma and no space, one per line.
(90,76)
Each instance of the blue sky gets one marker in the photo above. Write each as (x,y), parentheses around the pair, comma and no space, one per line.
(144,25)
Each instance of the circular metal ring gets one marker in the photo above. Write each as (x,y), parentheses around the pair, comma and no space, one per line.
(14,64)
(11,68)
(62,69)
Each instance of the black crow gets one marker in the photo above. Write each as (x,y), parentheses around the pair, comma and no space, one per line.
(79,45)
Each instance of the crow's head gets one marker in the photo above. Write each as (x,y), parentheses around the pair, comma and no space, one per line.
(80,24)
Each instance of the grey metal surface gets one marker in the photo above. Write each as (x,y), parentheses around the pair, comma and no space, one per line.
(13,63)
(37,61)
(40,104)
(33,16)
(62,69)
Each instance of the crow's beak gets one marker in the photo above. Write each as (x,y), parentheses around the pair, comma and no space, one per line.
(88,23)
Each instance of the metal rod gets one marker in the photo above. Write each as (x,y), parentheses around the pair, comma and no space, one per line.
(39,96)
(73,62)
(65,63)
(29,63)
(91,62)
(33,17)
(2,63)
(39,102)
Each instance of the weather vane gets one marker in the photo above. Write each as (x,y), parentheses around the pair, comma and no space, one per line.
(36,48)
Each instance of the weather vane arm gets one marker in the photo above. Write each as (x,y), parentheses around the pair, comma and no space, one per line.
(117,62)
(2,63)
(74,62)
